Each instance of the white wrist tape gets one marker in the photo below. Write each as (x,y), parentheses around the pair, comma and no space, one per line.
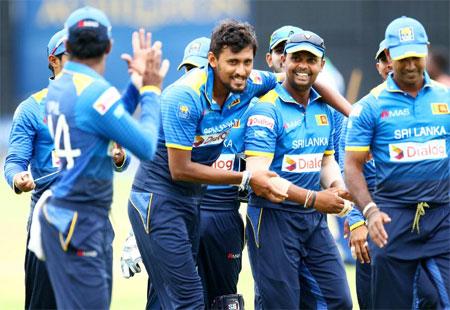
(368,207)
(246,177)
(280,184)
(348,207)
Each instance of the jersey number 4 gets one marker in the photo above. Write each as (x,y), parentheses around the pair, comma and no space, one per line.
(62,132)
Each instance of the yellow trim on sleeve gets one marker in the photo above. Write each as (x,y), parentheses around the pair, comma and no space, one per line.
(178,146)
(257,153)
(329,152)
(357,224)
(269,97)
(150,88)
(378,89)
(357,148)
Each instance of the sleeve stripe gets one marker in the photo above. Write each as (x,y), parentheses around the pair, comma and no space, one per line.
(357,224)
(257,153)
(329,152)
(357,148)
(178,146)
(150,88)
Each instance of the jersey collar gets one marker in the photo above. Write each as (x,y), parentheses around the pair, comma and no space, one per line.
(286,97)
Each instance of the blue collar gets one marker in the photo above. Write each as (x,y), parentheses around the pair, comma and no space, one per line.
(81,68)
(286,97)
(393,87)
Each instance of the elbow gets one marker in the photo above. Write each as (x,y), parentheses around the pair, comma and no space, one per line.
(178,174)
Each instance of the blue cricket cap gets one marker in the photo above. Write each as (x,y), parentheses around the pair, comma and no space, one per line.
(281,35)
(196,53)
(88,18)
(406,37)
(56,44)
(305,41)
(381,49)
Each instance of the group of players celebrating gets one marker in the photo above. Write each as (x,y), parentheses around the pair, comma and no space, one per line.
(221,134)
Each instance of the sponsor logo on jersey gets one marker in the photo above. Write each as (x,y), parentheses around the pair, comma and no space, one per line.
(106,100)
(235,102)
(406,34)
(213,139)
(224,162)
(322,120)
(292,124)
(261,121)
(415,151)
(439,108)
(302,163)
(255,76)
(231,255)
(394,113)
(220,128)
(237,123)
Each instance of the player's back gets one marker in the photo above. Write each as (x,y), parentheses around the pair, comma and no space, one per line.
(75,101)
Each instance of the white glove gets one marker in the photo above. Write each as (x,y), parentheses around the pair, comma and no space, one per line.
(130,259)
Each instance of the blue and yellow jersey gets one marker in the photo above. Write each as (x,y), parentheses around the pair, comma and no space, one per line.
(193,121)
(30,145)
(409,139)
(294,137)
(84,113)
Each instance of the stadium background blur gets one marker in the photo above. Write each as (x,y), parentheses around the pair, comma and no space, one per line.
(351,29)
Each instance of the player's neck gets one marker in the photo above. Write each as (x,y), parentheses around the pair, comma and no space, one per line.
(220,92)
(96,64)
(301,96)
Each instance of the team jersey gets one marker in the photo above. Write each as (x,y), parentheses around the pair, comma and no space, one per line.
(409,139)
(193,121)
(84,113)
(224,197)
(294,137)
(30,144)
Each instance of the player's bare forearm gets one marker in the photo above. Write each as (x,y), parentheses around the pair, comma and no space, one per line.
(333,97)
(183,169)
(354,177)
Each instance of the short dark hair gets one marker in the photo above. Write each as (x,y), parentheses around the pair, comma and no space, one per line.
(233,34)
(86,45)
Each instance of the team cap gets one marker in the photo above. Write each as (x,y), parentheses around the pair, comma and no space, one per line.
(56,44)
(196,53)
(381,49)
(88,18)
(406,37)
(305,41)
(281,35)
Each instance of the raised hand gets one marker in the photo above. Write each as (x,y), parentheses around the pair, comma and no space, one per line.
(155,70)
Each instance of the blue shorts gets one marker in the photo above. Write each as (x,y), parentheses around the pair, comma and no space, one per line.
(78,250)
(397,266)
(167,235)
(293,256)
(220,252)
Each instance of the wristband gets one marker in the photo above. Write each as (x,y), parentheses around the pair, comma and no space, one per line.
(150,88)
(308,196)
(245,182)
(368,207)
(313,199)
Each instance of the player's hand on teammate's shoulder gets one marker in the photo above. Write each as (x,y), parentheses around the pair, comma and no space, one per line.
(23,182)
(358,244)
(261,186)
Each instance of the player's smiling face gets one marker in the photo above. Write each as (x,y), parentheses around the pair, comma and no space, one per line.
(302,69)
(233,69)
(409,70)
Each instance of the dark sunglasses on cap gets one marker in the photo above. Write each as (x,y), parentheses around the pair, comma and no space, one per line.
(307,36)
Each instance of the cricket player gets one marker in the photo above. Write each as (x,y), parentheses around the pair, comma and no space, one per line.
(84,113)
(290,131)
(195,54)
(30,146)
(404,123)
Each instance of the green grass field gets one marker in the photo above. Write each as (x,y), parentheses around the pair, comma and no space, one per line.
(127,294)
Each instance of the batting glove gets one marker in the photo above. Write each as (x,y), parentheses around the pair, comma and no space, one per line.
(130,259)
